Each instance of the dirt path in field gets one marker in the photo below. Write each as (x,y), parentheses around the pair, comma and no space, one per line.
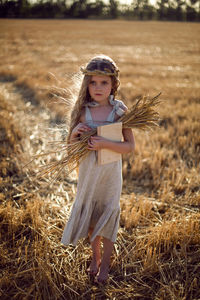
(26,113)
(38,126)
(32,118)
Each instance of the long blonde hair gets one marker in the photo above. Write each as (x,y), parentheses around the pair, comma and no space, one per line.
(99,65)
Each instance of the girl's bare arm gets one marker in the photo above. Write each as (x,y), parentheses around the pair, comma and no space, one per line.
(79,129)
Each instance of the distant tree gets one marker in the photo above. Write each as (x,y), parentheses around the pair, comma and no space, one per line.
(96,9)
(14,9)
(25,9)
(192,11)
(146,10)
(142,10)
(22,9)
(171,11)
(78,9)
(8,9)
(139,9)
(47,9)
(162,9)
(125,11)
(194,2)
(179,10)
(113,9)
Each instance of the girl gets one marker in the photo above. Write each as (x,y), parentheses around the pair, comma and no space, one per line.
(96,209)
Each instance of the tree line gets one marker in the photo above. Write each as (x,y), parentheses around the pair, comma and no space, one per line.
(172,10)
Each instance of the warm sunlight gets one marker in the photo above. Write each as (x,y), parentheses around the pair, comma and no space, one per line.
(66,118)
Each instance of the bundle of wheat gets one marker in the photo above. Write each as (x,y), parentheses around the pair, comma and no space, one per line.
(142,115)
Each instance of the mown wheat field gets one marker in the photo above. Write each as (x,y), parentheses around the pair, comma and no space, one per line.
(157,253)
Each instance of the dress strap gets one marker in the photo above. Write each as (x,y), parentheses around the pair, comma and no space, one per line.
(88,116)
(118,108)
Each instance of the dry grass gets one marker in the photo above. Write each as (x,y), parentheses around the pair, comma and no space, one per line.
(157,251)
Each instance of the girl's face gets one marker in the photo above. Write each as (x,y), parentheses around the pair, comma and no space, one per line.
(100,88)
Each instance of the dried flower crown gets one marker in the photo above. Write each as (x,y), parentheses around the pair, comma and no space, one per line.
(106,72)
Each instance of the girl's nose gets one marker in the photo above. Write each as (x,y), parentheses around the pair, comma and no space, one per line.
(98,86)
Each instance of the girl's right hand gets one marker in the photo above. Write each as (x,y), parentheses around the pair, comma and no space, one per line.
(79,130)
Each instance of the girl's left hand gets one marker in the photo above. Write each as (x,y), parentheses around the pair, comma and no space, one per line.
(96,143)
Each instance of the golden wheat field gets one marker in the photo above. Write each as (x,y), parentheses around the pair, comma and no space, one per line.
(157,253)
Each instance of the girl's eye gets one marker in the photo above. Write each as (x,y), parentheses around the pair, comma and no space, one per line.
(101,83)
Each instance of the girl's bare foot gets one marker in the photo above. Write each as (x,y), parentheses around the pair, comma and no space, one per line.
(94,267)
(103,275)
(104,269)
(96,257)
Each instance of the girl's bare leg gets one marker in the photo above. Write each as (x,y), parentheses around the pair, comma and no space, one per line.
(105,263)
(96,256)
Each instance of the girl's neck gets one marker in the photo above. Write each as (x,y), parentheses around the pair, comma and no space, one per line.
(103,105)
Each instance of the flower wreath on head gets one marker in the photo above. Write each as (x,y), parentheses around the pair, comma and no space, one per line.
(106,72)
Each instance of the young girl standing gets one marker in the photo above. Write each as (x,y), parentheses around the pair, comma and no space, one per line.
(96,209)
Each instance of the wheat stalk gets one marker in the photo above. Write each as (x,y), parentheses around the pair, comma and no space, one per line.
(142,115)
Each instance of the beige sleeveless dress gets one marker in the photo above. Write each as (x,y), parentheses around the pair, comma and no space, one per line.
(98,194)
